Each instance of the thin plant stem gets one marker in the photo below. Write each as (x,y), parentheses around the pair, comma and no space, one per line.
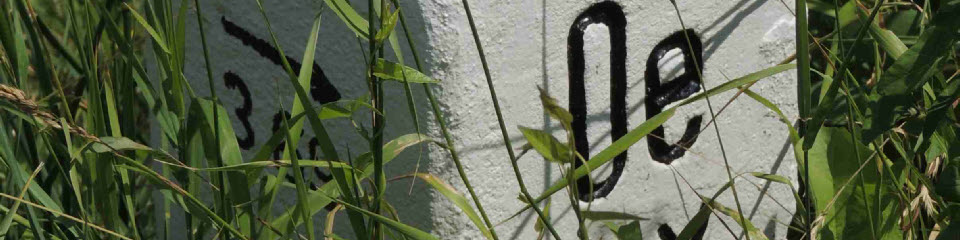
(297,174)
(376,141)
(803,101)
(716,126)
(503,130)
(216,114)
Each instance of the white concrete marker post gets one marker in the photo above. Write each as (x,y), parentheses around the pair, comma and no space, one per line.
(602,60)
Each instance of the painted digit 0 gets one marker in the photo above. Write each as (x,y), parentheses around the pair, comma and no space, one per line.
(659,94)
(610,14)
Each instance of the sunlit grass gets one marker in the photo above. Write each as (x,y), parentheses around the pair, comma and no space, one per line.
(875,141)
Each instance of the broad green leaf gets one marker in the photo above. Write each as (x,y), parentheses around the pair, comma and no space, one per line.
(912,70)
(888,41)
(833,163)
(948,185)
(848,12)
(907,73)
(630,231)
(952,231)
(397,72)
(555,110)
(387,26)
(885,38)
(549,147)
(458,199)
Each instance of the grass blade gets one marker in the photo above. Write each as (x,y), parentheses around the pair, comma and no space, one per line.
(363,164)
(394,71)
(638,133)
(157,38)
(752,231)
(457,198)
(548,146)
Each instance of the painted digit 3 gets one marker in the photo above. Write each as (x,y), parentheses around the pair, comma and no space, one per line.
(232,81)
(321,90)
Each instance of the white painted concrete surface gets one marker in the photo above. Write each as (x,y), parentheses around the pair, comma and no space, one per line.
(526,44)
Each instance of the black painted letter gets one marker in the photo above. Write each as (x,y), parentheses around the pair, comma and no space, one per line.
(610,14)
(661,94)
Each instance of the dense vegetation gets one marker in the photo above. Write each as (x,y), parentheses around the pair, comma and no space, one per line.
(876,142)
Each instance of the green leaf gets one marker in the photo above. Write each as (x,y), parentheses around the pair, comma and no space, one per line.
(555,110)
(907,73)
(949,184)
(952,231)
(885,38)
(772,177)
(546,213)
(349,16)
(698,224)
(549,147)
(345,108)
(638,133)
(118,143)
(321,197)
(833,160)
(236,187)
(630,231)
(741,81)
(609,215)
(912,70)
(751,230)
(387,26)
(794,135)
(277,164)
(397,72)
(458,199)
(157,38)
(399,227)
(780,179)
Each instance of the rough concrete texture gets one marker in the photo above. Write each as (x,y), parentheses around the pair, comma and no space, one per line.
(526,44)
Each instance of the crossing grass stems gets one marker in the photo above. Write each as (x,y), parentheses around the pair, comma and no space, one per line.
(877,76)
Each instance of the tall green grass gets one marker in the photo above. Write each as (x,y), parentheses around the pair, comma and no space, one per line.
(875,141)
